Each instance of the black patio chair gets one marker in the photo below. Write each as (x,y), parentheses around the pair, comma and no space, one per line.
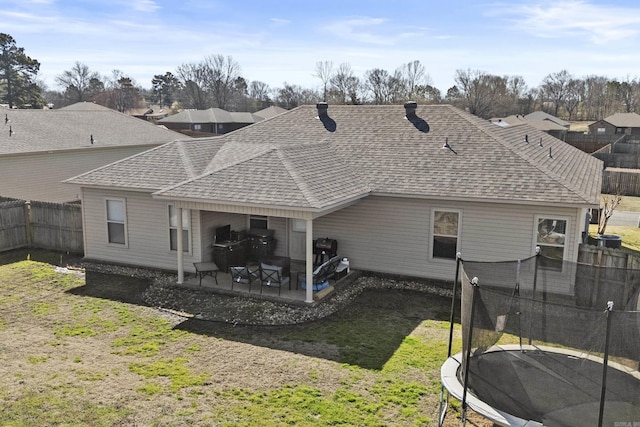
(271,276)
(241,274)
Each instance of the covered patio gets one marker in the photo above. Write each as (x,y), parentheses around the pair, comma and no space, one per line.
(221,282)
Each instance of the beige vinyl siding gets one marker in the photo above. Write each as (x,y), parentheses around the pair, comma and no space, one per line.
(393,235)
(147,222)
(39,176)
(281,234)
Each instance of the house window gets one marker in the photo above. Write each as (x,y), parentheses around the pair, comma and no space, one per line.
(197,127)
(116,221)
(173,228)
(551,237)
(258,222)
(601,130)
(446,230)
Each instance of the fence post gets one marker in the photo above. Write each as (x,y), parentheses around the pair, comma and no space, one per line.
(28,223)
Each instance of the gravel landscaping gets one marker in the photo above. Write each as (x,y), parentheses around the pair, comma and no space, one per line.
(163,293)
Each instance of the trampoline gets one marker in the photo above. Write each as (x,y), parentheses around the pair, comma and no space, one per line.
(534,357)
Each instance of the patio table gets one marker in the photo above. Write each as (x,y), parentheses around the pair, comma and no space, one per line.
(206,269)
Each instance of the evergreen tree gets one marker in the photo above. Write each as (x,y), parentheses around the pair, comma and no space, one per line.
(17,75)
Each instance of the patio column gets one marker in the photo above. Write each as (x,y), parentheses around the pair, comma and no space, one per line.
(180,245)
(309,262)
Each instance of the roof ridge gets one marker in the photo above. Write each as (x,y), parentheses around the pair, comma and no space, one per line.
(299,181)
(186,160)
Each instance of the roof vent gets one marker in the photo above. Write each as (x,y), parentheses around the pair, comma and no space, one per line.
(322,109)
(410,109)
(11,132)
(91,139)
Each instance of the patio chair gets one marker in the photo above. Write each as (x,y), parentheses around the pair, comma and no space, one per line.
(271,275)
(241,274)
(321,275)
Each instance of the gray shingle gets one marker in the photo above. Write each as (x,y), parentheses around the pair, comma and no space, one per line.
(296,160)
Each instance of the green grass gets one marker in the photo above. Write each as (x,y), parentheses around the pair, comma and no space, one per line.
(102,362)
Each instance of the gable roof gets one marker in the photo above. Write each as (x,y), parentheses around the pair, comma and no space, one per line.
(296,160)
(32,131)
(624,120)
(211,115)
(542,116)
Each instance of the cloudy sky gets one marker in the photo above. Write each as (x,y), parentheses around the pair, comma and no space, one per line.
(282,40)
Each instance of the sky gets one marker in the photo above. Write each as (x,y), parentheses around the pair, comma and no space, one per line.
(281,41)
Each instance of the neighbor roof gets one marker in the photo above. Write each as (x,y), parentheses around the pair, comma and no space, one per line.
(624,120)
(297,160)
(541,116)
(270,111)
(212,115)
(31,131)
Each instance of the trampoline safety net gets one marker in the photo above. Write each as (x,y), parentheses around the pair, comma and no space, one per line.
(555,343)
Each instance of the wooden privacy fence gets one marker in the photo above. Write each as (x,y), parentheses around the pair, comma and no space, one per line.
(621,181)
(53,226)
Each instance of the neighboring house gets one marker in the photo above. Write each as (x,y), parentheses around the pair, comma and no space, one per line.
(267,113)
(617,124)
(540,120)
(214,121)
(151,113)
(541,116)
(401,190)
(41,148)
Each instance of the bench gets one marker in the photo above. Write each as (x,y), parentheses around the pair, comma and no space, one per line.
(321,275)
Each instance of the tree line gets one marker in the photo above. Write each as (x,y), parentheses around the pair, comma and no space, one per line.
(217,81)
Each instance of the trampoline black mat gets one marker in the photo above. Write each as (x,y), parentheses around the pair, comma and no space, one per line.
(556,389)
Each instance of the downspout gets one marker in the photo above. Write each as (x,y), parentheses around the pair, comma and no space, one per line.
(309,262)
(180,248)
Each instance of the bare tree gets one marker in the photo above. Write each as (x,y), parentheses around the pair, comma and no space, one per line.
(477,91)
(324,71)
(222,75)
(78,82)
(342,82)
(554,88)
(572,98)
(259,94)
(193,83)
(609,204)
(413,75)
(212,82)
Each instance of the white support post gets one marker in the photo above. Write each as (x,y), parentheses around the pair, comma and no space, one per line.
(309,262)
(180,248)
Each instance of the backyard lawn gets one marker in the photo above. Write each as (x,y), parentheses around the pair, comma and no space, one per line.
(88,352)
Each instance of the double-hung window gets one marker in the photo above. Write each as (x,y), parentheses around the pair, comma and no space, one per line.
(446,231)
(116,221)
(173,228)
(551,235)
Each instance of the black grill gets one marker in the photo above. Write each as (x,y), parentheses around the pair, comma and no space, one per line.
(262,244)
(324,247)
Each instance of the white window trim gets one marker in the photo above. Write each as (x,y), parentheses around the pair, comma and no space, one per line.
(107,221)
(186,245)
(537,219)
(432,234)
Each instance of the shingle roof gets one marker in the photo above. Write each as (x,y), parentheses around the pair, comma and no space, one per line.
(296,160)
(624,120)
(542,116)
(72,128)
(211,115)
(270,112)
